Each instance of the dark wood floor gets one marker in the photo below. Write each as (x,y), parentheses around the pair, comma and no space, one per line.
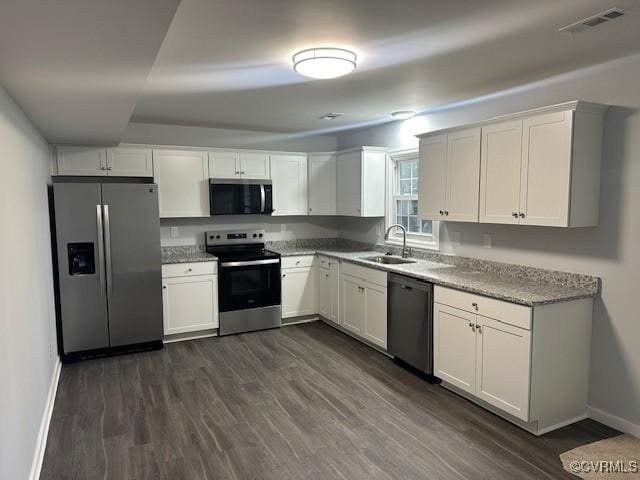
(301,402)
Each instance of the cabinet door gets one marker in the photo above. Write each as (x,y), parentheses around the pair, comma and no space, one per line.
(352,304)
(503,366)
(546,168)
(454,345)
(129,162)
(373,182)
(375,316)
(500,172)
(324,293)
(190,303)
(322,184)
(463,175)
(289,176)
(89,161)
(433,177)
(224,164)
(298,292)
(349,184)
(183,183)
(334,268)
(255,165)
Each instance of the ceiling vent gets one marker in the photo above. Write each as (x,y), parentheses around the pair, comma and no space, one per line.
(331,116)
(594,20)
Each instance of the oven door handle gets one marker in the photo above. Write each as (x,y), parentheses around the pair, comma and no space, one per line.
(263,198)
(249,263)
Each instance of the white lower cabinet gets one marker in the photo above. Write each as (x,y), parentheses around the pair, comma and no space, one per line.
(528,363)
(189,297)
(329,289)
(299,296)
(363,303)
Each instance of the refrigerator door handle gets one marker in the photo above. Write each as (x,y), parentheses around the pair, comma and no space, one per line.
(107,247)
(100,249)
(263,198)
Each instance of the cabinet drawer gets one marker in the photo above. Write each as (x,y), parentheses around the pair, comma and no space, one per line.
(511,313)
(297,262)
(326,262)
(370,275)
(189,269)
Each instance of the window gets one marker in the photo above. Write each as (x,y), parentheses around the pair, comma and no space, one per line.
(403,202)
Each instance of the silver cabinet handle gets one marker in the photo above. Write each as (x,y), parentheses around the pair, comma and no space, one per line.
(249,263)
(107,247)
(100,249)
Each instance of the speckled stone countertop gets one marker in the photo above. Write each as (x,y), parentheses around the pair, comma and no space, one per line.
(525,290)
(186,254)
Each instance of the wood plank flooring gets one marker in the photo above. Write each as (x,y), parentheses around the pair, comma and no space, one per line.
(301,402)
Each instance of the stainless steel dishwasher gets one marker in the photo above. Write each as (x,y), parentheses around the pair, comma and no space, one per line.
(410,321)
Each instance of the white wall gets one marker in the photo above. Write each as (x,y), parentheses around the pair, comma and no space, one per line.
(27,316)
(225,138)
(191,230)
(611,250)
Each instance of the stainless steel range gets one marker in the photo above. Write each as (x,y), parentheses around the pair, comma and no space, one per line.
(248,281)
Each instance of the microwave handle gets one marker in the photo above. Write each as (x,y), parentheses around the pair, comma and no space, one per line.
(263,197)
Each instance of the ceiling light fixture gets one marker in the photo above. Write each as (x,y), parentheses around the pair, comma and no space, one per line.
(324,63)
(331,116)
(403,114)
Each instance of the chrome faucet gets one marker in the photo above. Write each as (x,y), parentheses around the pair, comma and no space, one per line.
(405,250)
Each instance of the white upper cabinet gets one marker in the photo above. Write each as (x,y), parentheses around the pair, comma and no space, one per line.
(289,177)
(540,167)
(450,176)
(238,164)
(183,182)
(500,172)
(255,165)
(224,164)
(322,184)
(432,198)
(86,161)
(361,182)
(129,162)
(99,161)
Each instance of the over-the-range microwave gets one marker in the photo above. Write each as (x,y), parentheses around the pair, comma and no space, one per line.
(240,196)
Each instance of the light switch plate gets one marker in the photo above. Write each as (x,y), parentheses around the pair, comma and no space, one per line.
(486,240)
(174,232)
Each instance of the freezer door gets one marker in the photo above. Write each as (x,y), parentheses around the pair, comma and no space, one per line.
(83,298)
(132,259)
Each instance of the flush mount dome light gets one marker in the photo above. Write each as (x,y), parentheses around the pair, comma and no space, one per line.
(403,114)
(324,63)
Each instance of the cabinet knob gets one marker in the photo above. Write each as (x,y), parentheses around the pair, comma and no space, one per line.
(515,214)
(479,327)
(326,275)
(522,215)
(475,305)
(164,287)
(189,270)
(103,168)
(473,326)
(441,212)
(311,209)
(446,213)
(109,168)
(284,275)
(242,172)
(237,172)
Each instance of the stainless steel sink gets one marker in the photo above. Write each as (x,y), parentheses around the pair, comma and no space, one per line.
(388,260)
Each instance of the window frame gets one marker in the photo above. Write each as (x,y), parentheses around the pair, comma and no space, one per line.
(415,240)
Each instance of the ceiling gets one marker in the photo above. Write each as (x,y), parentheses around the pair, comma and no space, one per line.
(77,67)
(82,69)
(226,63)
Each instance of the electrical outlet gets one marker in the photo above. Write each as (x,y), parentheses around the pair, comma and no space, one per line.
(174,232)
(486,240)
(50,351)
(455,238)
(283,227)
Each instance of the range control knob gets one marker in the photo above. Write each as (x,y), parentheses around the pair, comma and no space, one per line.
(217,237)
(260,235)
(255,235)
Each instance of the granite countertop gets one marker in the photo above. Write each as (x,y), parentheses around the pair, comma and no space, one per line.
(510,288)
(186,254)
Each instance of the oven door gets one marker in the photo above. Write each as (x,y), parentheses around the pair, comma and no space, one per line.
(249,284)
(237,197)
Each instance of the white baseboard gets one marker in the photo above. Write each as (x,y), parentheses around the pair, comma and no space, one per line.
(613,421)
(43,433)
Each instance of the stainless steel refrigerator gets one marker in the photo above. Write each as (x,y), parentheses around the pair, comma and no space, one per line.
(108,261)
